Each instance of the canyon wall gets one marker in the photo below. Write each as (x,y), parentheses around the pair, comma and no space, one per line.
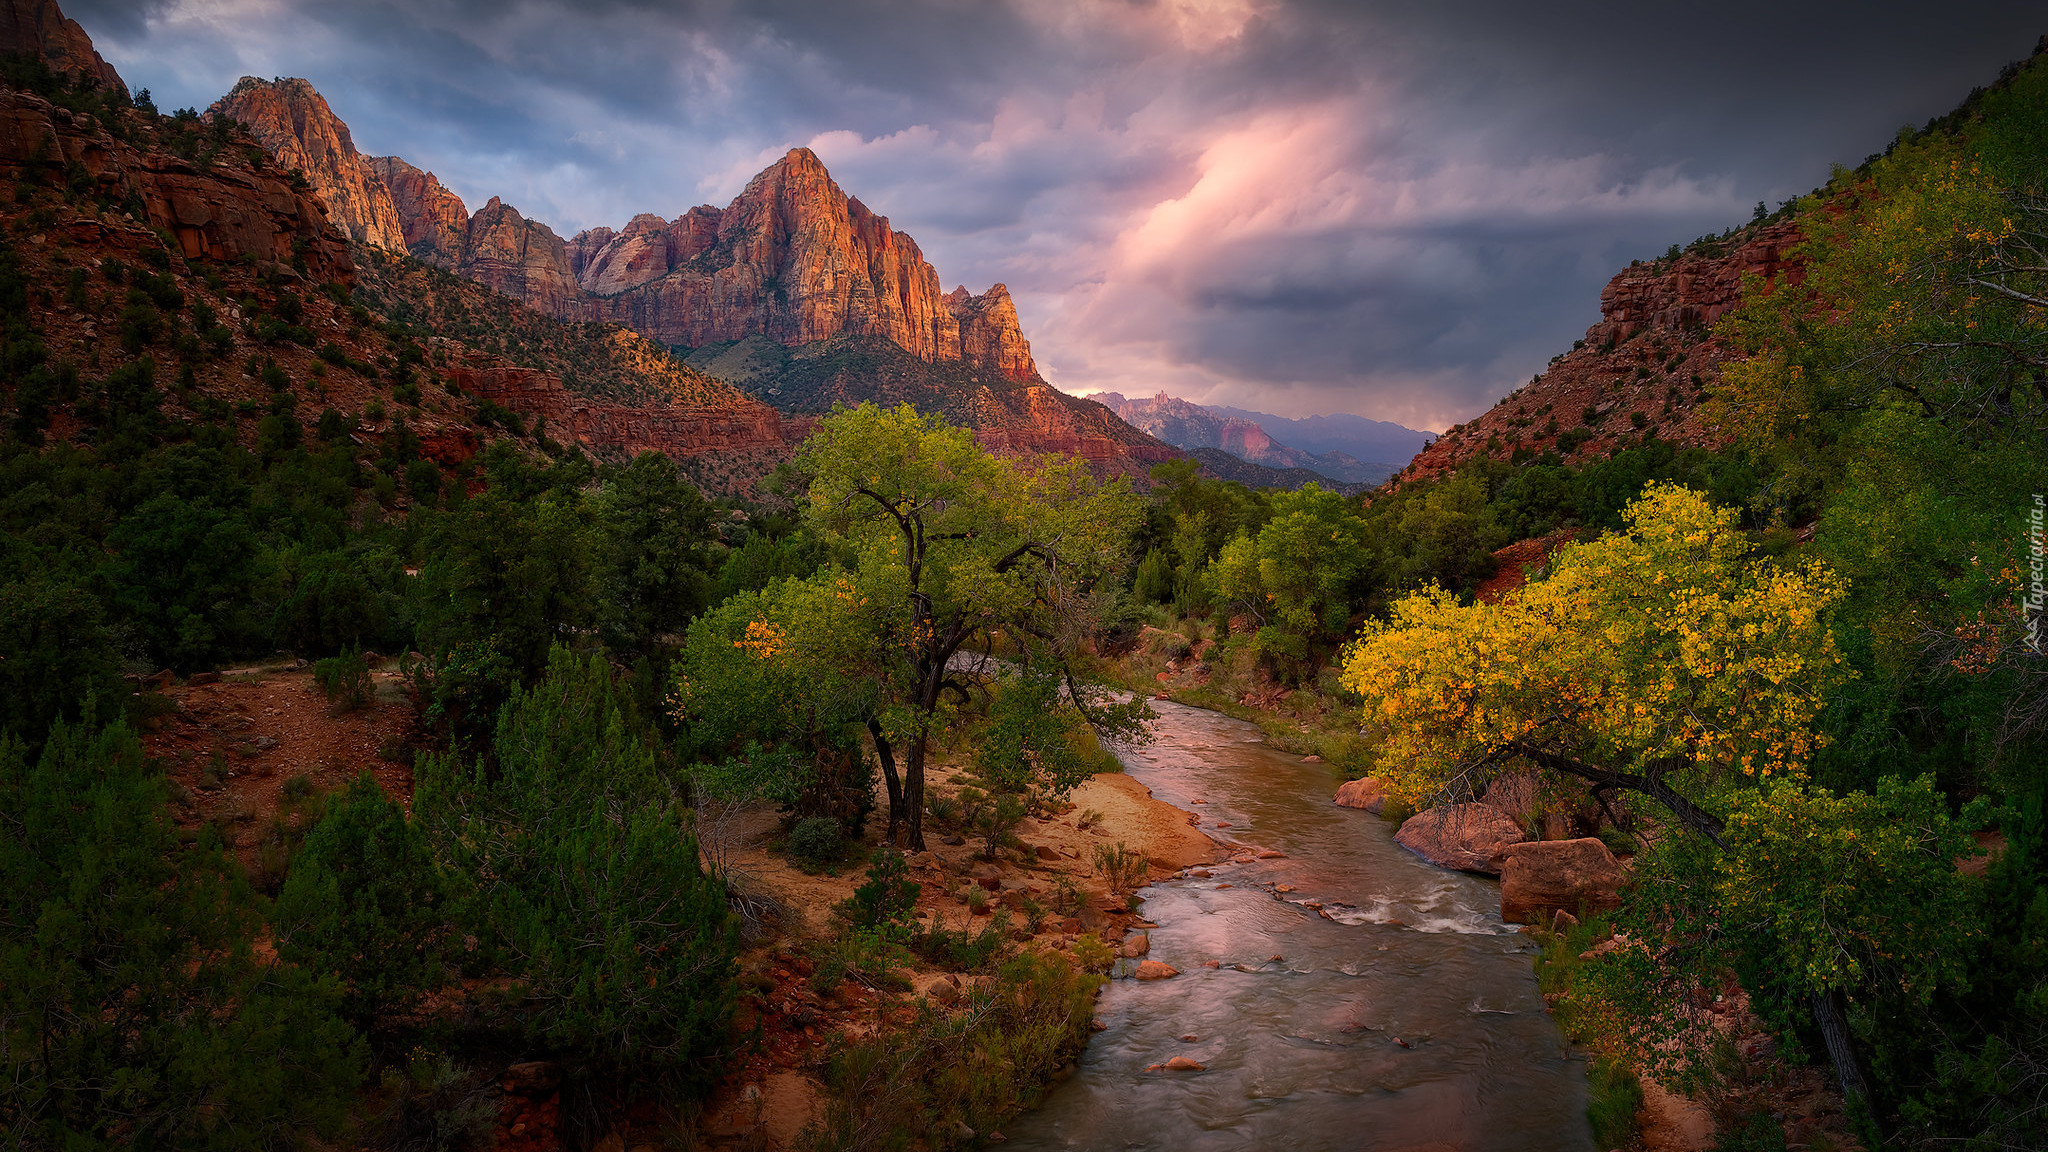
(1642,370)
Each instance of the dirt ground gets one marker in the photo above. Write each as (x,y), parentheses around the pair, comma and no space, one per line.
(234,744)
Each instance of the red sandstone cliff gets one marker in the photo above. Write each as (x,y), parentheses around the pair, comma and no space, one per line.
(792,258)
(434,220)
(226,211)
(295,124)
(522,258)
(38,28)
(1643,368)
(795,259)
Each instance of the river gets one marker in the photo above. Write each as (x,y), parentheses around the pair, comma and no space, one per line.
(1402,1014)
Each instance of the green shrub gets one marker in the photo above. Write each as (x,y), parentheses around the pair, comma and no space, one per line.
(345,679)
(1124,868)
(583,884)
(1615,1095)
(365,902)
(958,948)
(129,961)
(918,1082)
(816,841)
(888,896)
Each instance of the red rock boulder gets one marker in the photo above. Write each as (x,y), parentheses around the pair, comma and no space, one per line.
(1368,794)
(1543,877)
(1468,837)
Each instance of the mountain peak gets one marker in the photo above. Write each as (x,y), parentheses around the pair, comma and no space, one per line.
(290,118)
(40,29)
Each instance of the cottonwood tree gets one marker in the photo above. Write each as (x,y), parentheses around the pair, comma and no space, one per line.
(1671,661)
(955,553)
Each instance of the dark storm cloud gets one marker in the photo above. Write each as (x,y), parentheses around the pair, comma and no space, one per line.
(1400,209)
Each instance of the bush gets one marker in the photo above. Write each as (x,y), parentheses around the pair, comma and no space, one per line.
(917,1083)
(889,895)
(1124,868)
(129,962)
(583,882)
(816,841)
(365,902)
(345,679)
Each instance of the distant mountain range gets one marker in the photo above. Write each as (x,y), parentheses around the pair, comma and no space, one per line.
(1350,450)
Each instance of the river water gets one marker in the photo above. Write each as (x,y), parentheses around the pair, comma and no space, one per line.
(1402,1014)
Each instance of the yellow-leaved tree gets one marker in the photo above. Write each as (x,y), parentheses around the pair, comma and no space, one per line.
(1677,661)
(1668,660)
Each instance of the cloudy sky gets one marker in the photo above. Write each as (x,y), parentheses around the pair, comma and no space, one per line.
(1398,208)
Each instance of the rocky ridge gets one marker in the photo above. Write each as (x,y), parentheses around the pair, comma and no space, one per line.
(228,210)
(40,29)
(1642,370)
(792,258)
(294,123)
(794,291)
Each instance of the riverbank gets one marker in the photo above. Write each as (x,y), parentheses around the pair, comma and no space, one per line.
(1049,894)
(1181,662)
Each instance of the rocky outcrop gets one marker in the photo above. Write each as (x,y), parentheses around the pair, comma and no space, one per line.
(679,431)
(1547,876)
(38,28)
(294,123)
(989,333)
(1367,794)
(1641,371)
(225,212)
(522,258)
(434,221)
(1467,837)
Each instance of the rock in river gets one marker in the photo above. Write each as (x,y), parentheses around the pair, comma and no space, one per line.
(1468,837)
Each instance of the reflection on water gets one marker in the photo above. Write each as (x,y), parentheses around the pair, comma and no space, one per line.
(1397,1013)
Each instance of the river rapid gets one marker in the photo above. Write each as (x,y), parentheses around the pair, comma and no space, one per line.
(1400,1014)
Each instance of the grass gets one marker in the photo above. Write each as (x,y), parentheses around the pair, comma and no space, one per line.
(1616,1091)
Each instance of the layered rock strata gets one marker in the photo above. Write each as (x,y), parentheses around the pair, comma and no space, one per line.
(227,211)
(434,221)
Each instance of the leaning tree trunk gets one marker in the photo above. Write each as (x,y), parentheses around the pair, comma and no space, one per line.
(887,756)
(1834,1032)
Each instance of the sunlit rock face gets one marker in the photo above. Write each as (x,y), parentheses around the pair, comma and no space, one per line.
(294,123)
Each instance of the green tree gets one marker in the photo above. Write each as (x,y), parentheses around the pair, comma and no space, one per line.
(652,578)
(133,1010)
(583,880)
(954,547)
(1295,576)
(365,902)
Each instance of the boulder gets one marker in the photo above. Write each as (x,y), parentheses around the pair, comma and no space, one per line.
(1136,944)
(1155,970)
(1543,877)
(1368,794)
(1517,796)
(532,1078)
(1468,837)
